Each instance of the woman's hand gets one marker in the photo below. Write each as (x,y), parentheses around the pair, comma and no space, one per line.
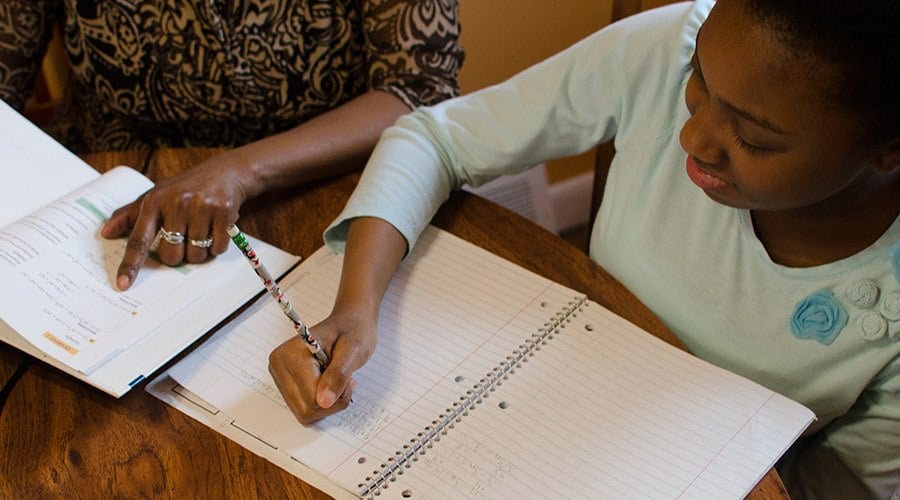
(198,204)
(310,393)
(201,202)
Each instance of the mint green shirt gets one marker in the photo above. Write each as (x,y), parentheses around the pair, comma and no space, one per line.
(827,336)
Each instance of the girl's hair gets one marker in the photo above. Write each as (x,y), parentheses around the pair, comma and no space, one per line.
(858,39)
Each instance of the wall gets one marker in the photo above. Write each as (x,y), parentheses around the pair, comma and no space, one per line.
(503,37)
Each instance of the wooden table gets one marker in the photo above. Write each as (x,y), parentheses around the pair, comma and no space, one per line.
(63,439)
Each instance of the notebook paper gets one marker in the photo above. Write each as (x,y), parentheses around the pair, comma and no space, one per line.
(488,381)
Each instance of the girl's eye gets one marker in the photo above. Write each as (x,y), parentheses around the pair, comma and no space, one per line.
(746,146)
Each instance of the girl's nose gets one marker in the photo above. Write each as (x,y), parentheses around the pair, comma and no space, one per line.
(702,135)
(700,139)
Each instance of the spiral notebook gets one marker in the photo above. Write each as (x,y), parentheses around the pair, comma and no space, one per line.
(491,381)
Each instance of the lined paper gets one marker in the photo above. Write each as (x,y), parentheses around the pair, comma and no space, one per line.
(613,412)
(600,409)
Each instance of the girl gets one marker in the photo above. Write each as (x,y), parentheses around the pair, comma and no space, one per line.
(752,205)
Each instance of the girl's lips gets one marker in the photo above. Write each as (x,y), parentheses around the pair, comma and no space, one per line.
(701,178)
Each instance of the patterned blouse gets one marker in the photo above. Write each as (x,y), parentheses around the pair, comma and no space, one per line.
(224,72)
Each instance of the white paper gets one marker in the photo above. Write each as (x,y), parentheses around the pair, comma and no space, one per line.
(58,299)
(593,410)
(36,169)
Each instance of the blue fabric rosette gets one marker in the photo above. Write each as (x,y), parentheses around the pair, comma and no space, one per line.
(819,316)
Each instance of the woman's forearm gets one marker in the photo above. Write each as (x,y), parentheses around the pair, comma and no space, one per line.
(332,143)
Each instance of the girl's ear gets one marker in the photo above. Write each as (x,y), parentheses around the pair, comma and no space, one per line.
(889,158)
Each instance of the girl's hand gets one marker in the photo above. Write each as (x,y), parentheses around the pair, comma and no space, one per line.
(373,251)
(309,393)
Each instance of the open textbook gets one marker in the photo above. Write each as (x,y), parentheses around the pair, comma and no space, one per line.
(58,300)
(490,381)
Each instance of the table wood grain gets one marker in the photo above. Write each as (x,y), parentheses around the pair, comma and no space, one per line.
(62,438)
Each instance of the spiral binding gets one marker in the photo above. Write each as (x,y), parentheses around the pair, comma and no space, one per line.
(431,434)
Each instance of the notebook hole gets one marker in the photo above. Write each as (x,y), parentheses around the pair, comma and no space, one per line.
(503,405)
(361,460)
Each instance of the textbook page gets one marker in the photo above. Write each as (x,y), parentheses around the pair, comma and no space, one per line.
(36,168)
(57,289)
(58,300)
(451,388)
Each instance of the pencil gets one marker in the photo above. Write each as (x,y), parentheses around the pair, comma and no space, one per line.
(275,291)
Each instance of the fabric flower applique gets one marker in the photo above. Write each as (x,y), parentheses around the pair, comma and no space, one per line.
(871,325)
(863,294)
(890,309)
(895,261)
(890,306)
(819,316)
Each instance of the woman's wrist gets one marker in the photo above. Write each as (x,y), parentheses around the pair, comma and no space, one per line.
(242,170)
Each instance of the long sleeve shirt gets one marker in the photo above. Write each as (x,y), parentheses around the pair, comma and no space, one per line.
(827,336)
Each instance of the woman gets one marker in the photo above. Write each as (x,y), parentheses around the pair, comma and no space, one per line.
(301,89)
